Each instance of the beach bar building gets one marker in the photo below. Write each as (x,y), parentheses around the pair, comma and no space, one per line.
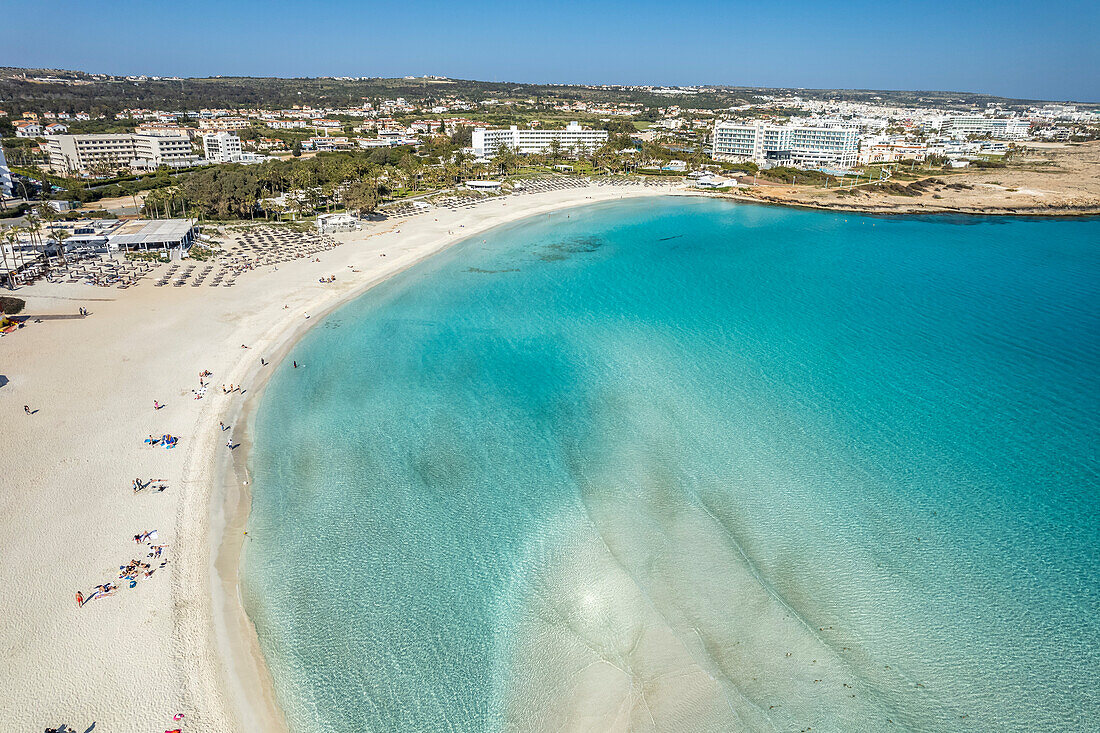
(144,235)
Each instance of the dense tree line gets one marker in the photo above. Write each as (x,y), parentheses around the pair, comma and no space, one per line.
(355,179)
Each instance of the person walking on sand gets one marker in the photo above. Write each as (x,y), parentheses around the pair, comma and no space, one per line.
(27,409)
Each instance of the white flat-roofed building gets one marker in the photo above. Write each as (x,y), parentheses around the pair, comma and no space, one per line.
(145,234)
(341,222)
(5,176)
(1010,128)
(82,153)
(487,143)
(835,145)
(221,147)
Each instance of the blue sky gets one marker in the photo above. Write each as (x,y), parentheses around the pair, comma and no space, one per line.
(1021,49)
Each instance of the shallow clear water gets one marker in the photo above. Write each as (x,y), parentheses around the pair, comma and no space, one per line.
(690,465)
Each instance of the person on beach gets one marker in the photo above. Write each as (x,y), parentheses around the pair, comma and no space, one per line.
(156,405)
(229,444)
(295,365)
(27,409)
(262,362)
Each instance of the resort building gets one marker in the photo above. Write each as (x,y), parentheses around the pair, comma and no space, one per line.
(341,222)
(5,176)
(161,234)
(827,144)
(1004,128)
(221,147)
(106,151)
(487,143)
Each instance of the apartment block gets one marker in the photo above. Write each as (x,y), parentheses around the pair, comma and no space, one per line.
(110,151)
(221,147)
(1010,128)
(833,145)
(487,143)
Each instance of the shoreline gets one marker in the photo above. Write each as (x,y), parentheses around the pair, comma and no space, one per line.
(91,382)
(179,641)
(255,703)
(902,209)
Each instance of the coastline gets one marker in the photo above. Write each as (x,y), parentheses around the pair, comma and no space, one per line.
(94,379)
(181,643)
(889,208)
(255,703)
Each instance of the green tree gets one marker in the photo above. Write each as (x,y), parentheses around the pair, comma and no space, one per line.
(363,196)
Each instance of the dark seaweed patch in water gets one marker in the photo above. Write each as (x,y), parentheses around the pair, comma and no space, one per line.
(564,250)
(491,272)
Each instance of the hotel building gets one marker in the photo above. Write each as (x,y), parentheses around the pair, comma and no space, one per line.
(828,144)
(1004,128)
(487,143)
(82,153)
(221,147)
(5,176)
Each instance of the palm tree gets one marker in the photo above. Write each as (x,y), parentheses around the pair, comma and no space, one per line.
(8,238)
(58,236)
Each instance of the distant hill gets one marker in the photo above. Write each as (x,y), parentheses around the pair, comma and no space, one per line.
(40,90)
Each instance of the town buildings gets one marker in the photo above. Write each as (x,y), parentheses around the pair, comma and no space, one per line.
(884,150)
(487,143)
(224,123)
(27,128)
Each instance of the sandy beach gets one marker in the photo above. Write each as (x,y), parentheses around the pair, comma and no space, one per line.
(177,642)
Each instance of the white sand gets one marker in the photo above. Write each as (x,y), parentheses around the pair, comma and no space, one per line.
(179,641)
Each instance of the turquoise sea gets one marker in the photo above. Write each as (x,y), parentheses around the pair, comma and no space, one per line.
(687,465)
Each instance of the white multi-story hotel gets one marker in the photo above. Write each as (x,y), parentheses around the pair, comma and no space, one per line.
(81,153)
(1003,128)
(828,144)
(5,176)
(487,143)
(221,147)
